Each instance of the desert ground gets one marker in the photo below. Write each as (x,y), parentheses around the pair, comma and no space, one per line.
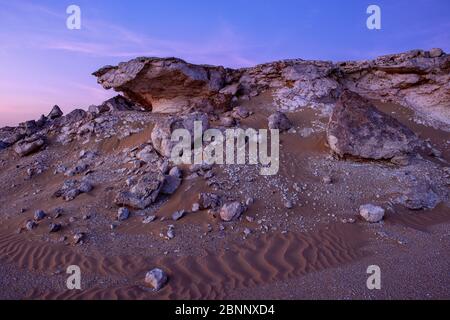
(96,189)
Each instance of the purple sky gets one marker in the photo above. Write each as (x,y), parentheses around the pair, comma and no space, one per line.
(43,63)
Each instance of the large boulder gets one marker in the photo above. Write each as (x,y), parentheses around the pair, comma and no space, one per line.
(357,128)
(167,85)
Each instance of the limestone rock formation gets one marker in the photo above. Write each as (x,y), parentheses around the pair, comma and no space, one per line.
(167,85)
(357,128)
(416,79)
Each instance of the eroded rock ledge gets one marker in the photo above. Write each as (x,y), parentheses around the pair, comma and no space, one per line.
(416,79)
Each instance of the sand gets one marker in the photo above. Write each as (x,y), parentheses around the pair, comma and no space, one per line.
(306,252)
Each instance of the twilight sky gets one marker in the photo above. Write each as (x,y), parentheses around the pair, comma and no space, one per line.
(42,63)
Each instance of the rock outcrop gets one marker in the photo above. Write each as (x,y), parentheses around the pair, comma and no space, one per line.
(168,85)
(357,128)
(416,79)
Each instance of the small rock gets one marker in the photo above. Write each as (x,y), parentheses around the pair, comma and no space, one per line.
(39,215)
(71,194)
(209,201)
(156,278)
(195,207)
(327,180)
(54,227)
(435,153)
(123,214)
(279,121)
(178,215)
(79,237)
(148,219)
(171,184)
(247,232)
(85,187)
(249,201)
(231,211)
(227,122)
(371,213)
(30,225)
(401,160)
(176,172)
(288,204)
(249,219)
(58,212)
(241,112)
(170,233)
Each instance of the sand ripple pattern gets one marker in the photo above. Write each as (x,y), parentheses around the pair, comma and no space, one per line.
(263,260)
